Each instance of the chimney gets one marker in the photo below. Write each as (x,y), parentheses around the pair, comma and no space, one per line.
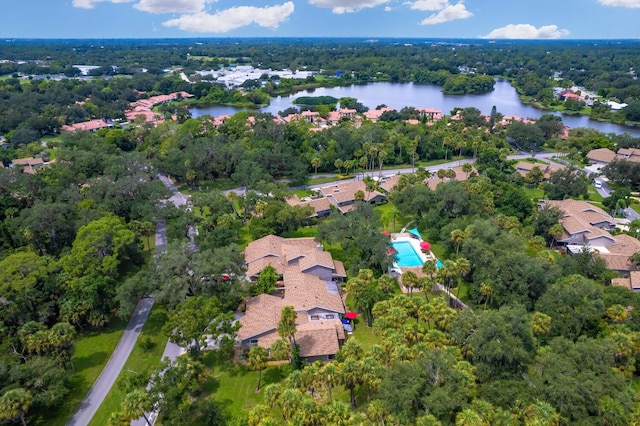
(320,247)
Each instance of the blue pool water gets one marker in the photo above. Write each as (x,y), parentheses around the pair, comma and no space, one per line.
(439,264)
(406,255)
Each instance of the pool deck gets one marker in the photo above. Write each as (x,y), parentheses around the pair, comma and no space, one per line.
(397,271)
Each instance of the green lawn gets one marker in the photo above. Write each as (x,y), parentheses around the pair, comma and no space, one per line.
(139,361)
(594,195)
(307,231)
(387,217)
(233,386)
(534,193)
(91,351)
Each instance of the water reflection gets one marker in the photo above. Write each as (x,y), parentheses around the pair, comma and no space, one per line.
(398,95)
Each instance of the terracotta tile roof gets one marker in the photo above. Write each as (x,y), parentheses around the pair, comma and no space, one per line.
(602,155)
(339,269)
(90,125)
(345,192)
(318,204)
(632,283)
(306,291)
(317,342)
(617,256)
(524,167)
(389,182)
(262,314)
(316,258)
(461,176)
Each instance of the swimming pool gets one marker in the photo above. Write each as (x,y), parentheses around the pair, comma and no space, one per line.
(406,254)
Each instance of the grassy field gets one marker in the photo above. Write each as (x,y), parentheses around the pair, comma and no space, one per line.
(534,193)
(91,351)
(140,361)
(307,231)
(233,386)
(390,223)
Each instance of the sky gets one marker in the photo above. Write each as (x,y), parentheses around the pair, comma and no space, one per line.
(490,19)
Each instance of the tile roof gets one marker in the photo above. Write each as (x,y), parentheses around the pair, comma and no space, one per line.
(318,204)
(602,155)
(346,191)
(524,167)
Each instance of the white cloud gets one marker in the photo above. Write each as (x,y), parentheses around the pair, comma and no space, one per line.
(430,5)
(527,31)
(632,4)
(232,18)
(387,8)
(90,4)
(449,13)
(347,6)
(172,6)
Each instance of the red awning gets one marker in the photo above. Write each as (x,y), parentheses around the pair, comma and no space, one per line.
(424,245)
(351,315)
(387,233)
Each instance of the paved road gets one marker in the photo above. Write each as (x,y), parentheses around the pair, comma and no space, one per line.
(544,156)
(110,373)
(178,198)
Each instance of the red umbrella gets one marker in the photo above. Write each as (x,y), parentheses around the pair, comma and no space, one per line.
(391,251)
(424,245)
(351,315)
(387,233)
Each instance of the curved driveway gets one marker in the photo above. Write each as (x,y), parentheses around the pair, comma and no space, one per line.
(109,374)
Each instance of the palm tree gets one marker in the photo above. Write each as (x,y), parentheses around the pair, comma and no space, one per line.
(540,325)
(258,357)
(541,413)
(330,374)
(463,266)
(376,412)
(315,163)
(350,377)
(469,417)
(457,236)
(14,404)
(61,337)
(409,280)
(487,292)
(339,164)
(289,402)
(287,325)
(136,403)
(556,231)
(467,168)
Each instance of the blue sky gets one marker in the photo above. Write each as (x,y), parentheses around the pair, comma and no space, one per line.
(493,19)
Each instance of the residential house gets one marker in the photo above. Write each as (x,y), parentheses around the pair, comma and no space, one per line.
(89,126)
(321,206)
(375,114)
(343,195)
(586,227)
(601,157)
(461,176)
(631,282)
(524,167)
(431,114)
(310,279)
(28,165)
(282,253)
(629,154)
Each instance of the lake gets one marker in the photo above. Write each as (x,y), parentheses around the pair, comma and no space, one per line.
(399,95)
